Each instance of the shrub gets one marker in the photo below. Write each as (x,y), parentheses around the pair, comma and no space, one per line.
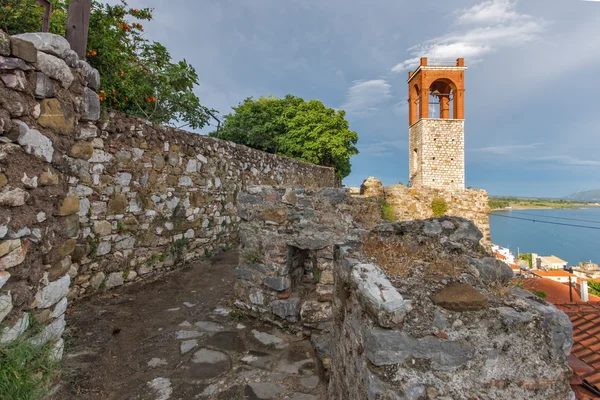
(438,206)
(387,212)
(540,293)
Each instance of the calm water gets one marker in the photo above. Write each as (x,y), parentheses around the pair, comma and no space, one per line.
(572,244)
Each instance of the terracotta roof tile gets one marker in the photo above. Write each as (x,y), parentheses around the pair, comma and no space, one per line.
(585,318)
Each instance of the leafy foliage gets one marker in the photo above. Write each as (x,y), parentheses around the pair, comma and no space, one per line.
(594,287)
(138,76)
(438,206)
(292,127)
(540,293)
(19,16)
(527,257)
(387,212)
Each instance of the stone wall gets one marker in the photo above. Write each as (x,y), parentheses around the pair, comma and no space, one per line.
(286,250)
(415,203)
(437,154)
(428,335)
(90,200)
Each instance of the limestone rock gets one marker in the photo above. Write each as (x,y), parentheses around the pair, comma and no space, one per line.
(43,86)
(96,280)
(10,63)
(15,81)
(53,114)
(91,105)
(32,141)
(4,276)
(114,279)
(51,332)
(23,49)
(13,197)
(275,215)
(29,182)
(389,347)
(82,150)
(6,305)
(286,309)
(55,68)
(91,75)
(48,178)
(490,269)
(88,132)
(315,311)
(59,269)
(460,297)
(372,187)
(9,245)
(69,206)
(102,228)
(47,42)
(4,44)
(49,295)
(11,334)
(117,204)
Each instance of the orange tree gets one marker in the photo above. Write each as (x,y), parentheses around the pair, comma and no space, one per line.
(137,75)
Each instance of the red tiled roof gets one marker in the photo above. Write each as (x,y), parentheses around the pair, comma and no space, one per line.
(500,256)
(557,272)
(585,353)
(556,292)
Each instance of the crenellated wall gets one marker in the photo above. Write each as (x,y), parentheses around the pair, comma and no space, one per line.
(91,199)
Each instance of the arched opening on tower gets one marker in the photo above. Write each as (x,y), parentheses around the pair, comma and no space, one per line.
(441,99)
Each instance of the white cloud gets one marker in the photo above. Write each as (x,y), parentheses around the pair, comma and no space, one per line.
(364,97)
(568,160)
(486,27)
(382,148)
(507,149)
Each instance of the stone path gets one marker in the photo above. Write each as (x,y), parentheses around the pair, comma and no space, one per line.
(178,339)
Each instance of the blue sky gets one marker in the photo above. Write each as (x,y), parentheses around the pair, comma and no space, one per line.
(532,100)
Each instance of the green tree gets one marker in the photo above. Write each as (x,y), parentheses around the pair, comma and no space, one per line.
(292,127)
(594,287)
(526,257)
(137,75)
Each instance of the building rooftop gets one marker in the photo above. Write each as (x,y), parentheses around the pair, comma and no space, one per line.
(556,292)
(585,353)
(553,259)
(550,274)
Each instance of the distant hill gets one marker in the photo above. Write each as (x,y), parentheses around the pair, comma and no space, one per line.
(590,195)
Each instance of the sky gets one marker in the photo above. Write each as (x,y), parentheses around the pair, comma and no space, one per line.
(532,100)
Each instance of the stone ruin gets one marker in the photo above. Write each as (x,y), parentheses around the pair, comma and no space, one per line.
(410,310)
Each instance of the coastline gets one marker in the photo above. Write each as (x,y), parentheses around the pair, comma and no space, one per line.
(533,207)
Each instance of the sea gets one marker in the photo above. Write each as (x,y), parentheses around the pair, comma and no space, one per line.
(571,234)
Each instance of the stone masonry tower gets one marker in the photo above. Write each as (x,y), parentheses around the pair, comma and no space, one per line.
(437,144)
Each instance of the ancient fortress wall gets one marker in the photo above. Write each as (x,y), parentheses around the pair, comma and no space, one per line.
(91,200)
(443,321)
(414,202)
(437,154)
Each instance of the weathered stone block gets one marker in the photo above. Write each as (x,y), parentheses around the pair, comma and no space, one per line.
(55,68)
(460,297)
(82,150)
(4,44)
(55,115)
(13,197)
(91,105)
(32,141)
(286,309)
(70,206)
(23,49)
(275,215)
(15,257)
(315,311)
(47,42)
(117,204)
(51,294)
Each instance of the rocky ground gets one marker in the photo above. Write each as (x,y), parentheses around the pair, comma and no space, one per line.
(177,338)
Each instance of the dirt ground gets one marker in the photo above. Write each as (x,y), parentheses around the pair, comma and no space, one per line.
(177,338)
